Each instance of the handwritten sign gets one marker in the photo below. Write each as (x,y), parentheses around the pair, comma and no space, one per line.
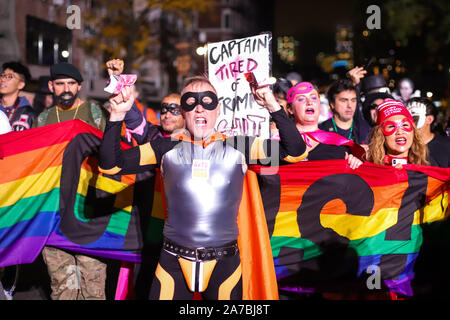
(228,61)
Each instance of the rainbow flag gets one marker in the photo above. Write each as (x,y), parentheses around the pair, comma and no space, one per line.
(312,226)
(51,193)
(332,228)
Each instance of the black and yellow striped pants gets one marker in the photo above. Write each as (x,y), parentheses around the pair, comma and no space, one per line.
(177,278)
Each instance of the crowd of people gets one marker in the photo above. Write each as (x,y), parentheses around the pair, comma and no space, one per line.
(199,253)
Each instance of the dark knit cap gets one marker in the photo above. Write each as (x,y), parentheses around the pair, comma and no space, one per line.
(65,70)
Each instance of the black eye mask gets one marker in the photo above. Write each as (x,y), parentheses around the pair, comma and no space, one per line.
(198,96)
(173,108)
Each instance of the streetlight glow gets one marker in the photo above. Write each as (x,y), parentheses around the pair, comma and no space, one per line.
(201,51)
(65,54)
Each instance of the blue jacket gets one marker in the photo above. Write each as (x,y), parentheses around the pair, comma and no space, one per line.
(21,115)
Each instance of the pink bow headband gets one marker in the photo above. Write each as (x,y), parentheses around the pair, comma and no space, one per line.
(300,88)
(116,83)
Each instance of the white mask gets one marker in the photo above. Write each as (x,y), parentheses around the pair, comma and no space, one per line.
(418,112)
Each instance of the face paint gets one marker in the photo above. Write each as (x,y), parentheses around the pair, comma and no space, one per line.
(419,112)
(207,99)
(301,88)
(390,127)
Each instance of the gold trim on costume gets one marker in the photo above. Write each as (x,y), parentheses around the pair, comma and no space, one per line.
(257,149)
(228,285)
(167,283)
(147,154)
(292,159)
(111,171)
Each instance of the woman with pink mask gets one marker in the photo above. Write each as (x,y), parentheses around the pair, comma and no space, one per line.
(304,105)
(395,140)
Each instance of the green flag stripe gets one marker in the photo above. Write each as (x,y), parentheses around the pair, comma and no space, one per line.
(27,208)
(364,247)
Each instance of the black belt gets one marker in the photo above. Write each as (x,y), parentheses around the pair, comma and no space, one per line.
(202,254)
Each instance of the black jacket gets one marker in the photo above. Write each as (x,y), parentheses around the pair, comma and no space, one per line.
(355,134)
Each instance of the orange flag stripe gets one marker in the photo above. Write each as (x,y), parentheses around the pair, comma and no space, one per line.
(21,165)
(291,197)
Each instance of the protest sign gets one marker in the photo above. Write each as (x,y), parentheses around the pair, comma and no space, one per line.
(228,61)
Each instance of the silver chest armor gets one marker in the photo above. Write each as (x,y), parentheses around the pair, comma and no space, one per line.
(203,189)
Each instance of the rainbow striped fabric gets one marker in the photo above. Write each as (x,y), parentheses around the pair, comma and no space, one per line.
(332,228)
(52,194)
(314,226)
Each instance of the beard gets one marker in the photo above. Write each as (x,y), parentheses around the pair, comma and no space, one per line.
(66,99)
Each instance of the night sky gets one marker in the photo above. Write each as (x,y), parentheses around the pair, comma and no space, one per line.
(313,24)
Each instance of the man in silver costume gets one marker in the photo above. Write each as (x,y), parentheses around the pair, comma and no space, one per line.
(203,174)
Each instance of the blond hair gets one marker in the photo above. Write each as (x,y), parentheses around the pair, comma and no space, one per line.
(198,79)
(417,154)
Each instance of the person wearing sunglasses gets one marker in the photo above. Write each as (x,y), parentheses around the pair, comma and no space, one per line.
(395,140)
(203,173)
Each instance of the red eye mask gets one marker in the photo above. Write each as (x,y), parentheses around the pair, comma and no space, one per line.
(397,125)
